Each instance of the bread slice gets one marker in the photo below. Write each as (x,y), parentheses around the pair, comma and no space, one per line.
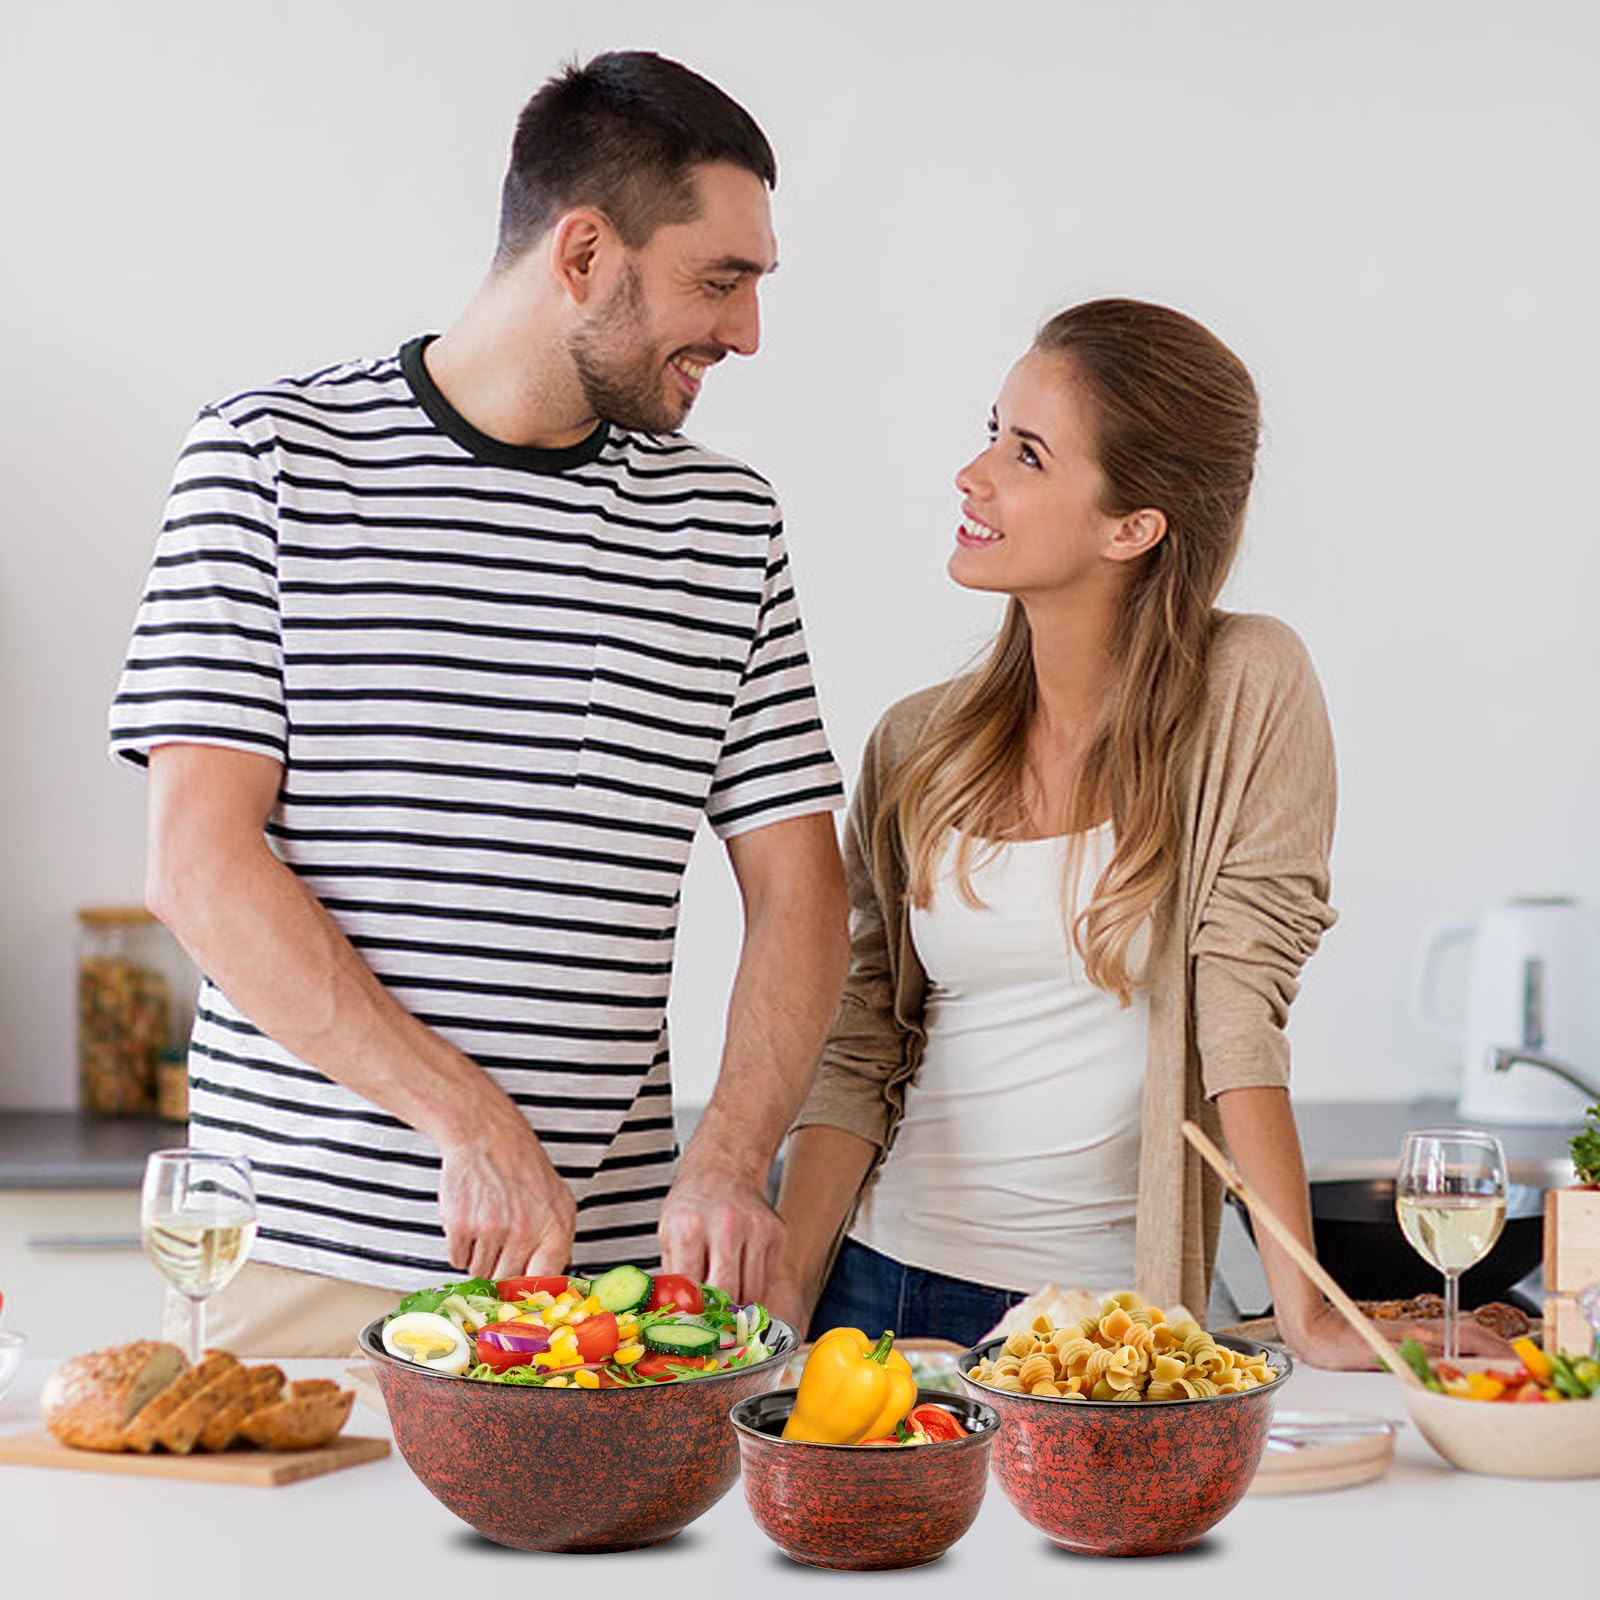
(263,1386)
(88,1402)
(140,1434)
(308,1388)
(184,1426)
(301,1422)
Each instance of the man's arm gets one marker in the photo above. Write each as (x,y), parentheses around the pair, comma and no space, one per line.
(272,948)
(717,1224)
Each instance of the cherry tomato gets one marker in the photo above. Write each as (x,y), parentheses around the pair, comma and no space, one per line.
(659,1365)
(597,1337)
(672,1289)
(521,1288)
(491,1355)
(941,1426)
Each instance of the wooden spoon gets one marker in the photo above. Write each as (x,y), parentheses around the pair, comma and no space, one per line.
(1265,1217)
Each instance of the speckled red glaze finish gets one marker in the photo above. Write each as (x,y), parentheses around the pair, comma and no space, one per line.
(519,1463)
(855,1508)
(1109,1479)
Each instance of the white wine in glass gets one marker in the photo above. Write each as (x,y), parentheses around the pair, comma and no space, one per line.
(1450,1199)
(197,1216)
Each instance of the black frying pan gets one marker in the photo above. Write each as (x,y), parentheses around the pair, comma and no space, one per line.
(1360,1243)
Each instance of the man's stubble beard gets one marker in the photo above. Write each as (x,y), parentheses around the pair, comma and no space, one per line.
(617,366)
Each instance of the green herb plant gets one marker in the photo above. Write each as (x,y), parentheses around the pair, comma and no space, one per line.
(1585,1147)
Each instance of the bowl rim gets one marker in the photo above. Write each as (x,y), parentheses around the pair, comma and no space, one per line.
(371,1346)
(12,1339)
(1079,1403)
(987,1415)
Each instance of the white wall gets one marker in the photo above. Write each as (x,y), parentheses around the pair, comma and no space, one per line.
(1389,210)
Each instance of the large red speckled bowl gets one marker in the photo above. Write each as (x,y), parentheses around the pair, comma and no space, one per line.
(570,1469)
(1139,1479)
(860,1507)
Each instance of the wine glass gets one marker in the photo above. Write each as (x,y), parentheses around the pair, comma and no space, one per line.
(1450,1198)
(197,1216)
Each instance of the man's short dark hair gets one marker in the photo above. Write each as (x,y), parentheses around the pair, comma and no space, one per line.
(622,134)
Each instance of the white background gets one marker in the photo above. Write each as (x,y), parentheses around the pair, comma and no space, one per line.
(1390,210)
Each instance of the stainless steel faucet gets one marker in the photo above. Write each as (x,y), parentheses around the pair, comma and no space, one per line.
(1509,1056)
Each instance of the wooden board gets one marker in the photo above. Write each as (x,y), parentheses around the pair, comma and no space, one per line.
(262,1467)
(1567,1328)
(1336,1462)
(1571,1239)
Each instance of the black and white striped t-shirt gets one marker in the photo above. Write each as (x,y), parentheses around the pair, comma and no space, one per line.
(505,684)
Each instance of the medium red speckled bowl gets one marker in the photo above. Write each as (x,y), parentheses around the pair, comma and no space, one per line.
(859,1507)
(1138,1479)
(570,1469)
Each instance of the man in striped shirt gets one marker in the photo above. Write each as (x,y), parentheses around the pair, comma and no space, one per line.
(442,657)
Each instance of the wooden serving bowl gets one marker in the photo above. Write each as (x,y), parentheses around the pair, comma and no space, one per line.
(1509,1441)
(570,1469)
(862,1508)
(1109,1478)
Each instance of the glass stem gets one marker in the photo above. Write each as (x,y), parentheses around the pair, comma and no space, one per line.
(1452,1316)
(197,1328)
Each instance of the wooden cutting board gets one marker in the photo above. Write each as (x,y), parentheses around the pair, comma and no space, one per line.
(262,1467)
(1328,1460)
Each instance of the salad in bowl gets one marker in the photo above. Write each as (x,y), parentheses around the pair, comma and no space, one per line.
(622,1329)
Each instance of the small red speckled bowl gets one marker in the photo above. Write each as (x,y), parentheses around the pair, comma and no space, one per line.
(862,1507)
(1106,1478)
(570,1469)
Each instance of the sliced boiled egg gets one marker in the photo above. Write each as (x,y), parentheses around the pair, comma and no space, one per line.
(429,1340)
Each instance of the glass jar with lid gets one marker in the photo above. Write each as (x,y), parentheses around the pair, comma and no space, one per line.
(135,1000)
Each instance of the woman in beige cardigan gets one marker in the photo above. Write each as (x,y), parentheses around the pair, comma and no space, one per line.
(1113,839)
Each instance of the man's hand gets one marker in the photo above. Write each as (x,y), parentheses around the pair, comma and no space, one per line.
(717,1227)
(504,1207)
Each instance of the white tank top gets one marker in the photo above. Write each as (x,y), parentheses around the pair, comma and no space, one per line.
(1017,1163)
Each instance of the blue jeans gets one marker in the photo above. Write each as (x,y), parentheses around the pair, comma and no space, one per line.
(871,1291)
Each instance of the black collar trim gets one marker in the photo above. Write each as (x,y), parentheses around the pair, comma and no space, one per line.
(445,417)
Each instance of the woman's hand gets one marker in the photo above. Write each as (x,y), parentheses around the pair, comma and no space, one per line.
(1327,1340)
(788,1302)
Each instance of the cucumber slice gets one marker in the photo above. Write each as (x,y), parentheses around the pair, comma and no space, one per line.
(682,1339)
(622,1289)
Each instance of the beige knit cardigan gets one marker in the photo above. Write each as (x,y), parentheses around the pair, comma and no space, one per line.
(1226,949)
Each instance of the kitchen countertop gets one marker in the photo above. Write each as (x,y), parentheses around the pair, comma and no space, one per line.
(67,1150)
(375,1526)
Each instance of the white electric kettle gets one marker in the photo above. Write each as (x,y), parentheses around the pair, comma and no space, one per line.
(1530,1046)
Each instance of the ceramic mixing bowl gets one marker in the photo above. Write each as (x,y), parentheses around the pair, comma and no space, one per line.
(862,1507)
(570,1469)
(1144,1478)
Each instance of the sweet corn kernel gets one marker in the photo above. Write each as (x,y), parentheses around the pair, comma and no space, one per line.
(627,1354)
(586,1380)
(592,1305)
(556,1383)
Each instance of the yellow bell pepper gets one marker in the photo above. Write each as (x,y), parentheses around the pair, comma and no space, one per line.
(1534,1359)
(851,1389)
(1480,1386)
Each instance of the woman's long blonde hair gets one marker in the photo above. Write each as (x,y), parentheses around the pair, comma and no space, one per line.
(1174,422)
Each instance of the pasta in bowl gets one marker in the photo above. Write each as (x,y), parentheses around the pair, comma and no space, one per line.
(1122,1433)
